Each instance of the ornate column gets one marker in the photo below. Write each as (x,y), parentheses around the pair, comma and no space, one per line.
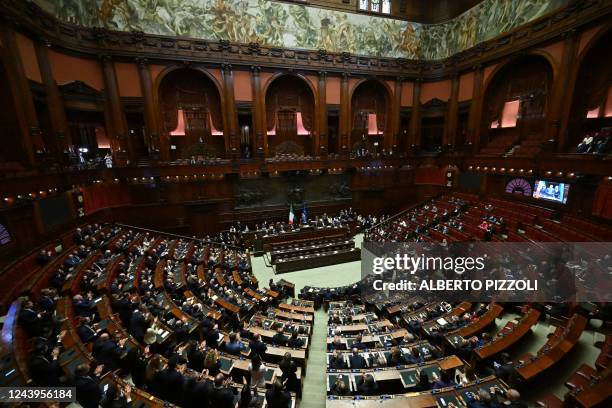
(563,95)
(119,130)
(395,117)
(21,93)
(452,115)
(259,123)
(345,115)
(414,132)
(150,110)
(232,142)
(321,144)
(475,113)
(55,102)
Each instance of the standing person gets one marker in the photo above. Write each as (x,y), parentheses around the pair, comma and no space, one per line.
(289,370)
(276,397)
(257,370)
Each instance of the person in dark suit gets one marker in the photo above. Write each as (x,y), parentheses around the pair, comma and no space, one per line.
(336,361)
(85,331)
(367,386)
(415,356)
(480,400)
(356,360)
(135,364)
(359,344)
(196,392)
(212,338)
(108,352)
(336,344)
(233,345)
(424,384)
(30,319)
(279,338)
(289,373)
(43,257)
(195,356)
(257,346)
(340,388)
(116,398)
(276,397)
(44,366)
(221,394)
(138,324)
(444,381)
(88,388)
(82,306)
(295,341)
(170,382)
(395,358)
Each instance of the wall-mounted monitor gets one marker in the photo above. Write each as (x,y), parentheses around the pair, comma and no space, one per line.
(551,191)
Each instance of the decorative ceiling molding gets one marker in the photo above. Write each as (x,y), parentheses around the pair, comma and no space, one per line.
(133,45)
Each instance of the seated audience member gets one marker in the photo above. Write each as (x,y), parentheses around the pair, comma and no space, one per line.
(257,346)
(424,384)
(336,344)
(356,360)
(233,345)
(43,257)
(395,358)
(509,399)
(359,344)
(444,381)
(480,400)
(279,338)
(415,356)
(339,387)
(295,341)
(336,361)
(276,397)
(367,386)
(88,388)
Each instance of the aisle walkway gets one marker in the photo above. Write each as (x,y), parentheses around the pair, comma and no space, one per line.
(315,387)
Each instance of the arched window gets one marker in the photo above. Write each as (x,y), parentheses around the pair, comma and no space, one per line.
(375,6)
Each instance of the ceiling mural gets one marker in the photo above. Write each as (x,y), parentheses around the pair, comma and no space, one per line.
(299,26)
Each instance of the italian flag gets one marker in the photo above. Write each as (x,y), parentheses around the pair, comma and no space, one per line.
(291,214)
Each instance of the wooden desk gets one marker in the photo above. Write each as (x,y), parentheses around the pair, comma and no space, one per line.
(317,260)
(297,309)
(425,399)
(486,319)
(502,343)
(546,358)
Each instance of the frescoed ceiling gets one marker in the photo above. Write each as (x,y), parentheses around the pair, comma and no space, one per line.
(289,25)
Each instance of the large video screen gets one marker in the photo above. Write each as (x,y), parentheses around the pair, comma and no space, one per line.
(550,191)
